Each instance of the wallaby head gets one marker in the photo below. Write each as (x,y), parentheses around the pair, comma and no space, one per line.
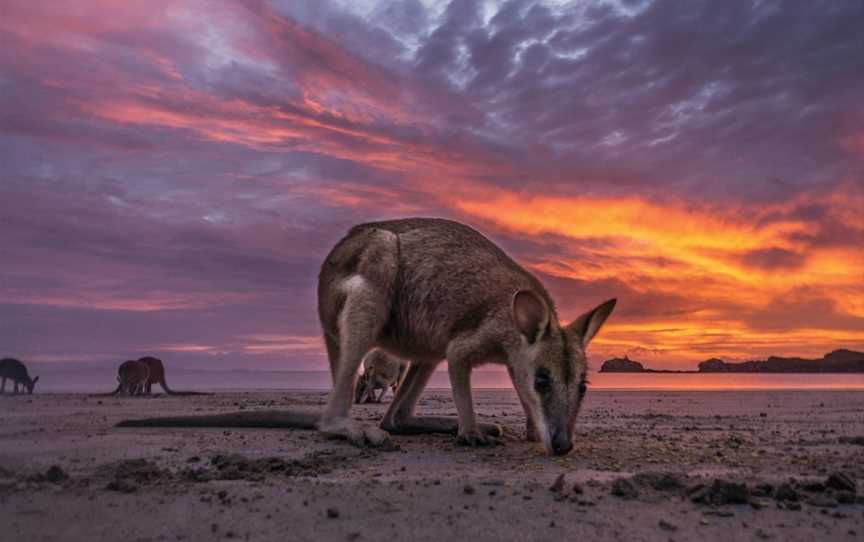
(31,383)
(548,369)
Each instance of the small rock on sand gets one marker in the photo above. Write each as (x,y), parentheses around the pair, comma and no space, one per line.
(785,492)
(55,474)
(625,489)
(721,492)
(666,526)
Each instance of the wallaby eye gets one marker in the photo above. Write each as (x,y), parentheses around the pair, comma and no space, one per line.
(542,380)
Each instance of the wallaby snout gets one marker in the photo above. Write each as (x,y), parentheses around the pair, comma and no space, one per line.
(561,441)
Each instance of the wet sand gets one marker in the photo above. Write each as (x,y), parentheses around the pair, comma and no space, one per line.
(737,465)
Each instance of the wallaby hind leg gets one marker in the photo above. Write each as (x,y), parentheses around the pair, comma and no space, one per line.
(360,323)
(354,289)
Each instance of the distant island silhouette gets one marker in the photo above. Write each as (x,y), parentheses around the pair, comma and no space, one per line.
(837,361)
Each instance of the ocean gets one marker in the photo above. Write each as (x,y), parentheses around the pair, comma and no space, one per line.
(65,378)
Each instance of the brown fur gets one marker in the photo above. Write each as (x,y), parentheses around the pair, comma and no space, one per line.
(380,372)
(132,377)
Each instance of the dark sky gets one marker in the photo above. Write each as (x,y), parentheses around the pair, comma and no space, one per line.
(172,173)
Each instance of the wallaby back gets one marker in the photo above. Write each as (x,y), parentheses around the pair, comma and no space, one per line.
(450,280)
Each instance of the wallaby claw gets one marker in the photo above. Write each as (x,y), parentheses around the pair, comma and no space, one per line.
(476,439)
(355,433)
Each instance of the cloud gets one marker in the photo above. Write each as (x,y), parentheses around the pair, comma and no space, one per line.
(185,159)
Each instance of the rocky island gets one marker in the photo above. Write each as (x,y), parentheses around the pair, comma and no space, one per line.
(837,361)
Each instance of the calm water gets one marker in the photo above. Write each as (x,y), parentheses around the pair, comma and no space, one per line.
(65,379)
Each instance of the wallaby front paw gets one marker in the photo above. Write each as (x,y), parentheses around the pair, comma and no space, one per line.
(476,438)
(491,429)
(355,433)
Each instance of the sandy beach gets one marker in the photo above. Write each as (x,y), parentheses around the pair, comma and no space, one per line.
(647,465)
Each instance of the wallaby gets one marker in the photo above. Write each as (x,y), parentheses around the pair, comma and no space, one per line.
(14,370)
(132,376)
(157,376)
(380,371)
(427,290)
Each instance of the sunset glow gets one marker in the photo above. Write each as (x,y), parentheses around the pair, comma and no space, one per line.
(175,171)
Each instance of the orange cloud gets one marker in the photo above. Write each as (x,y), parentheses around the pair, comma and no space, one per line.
(700,253)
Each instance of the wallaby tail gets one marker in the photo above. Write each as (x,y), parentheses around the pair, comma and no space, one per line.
(169,391)
(275,419)
(109,394)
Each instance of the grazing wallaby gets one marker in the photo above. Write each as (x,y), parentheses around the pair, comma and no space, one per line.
(380,371)
(15,371)
(132,377)
(157,376)
(425,290)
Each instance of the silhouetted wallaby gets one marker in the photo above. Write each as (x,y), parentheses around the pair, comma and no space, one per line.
(380,372)
(157,376)
(15,371)
(428,290)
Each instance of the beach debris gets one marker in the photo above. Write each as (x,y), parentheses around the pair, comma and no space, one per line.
(55,474)
(332,513)
(659,481)
(718,513)
(758,504)
(625,489)
(813,486)
(558,485)
(129,475)
(666,526)
(840,481)
(845,497)
(721,492)
(822,502)
(785,492)
(858,441)
(469,489)
(762,490)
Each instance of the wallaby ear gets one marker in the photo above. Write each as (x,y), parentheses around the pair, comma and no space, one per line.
(530,314)
(586,326)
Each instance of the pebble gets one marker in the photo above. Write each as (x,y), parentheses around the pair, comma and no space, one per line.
(666,526)
(624,489)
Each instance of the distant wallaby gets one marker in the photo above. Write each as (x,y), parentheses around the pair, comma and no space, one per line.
(157,376)
(132,377)
(380,371)
(14,370)
(425,290)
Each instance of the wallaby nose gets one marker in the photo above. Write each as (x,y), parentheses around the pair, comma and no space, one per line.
(561,443)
